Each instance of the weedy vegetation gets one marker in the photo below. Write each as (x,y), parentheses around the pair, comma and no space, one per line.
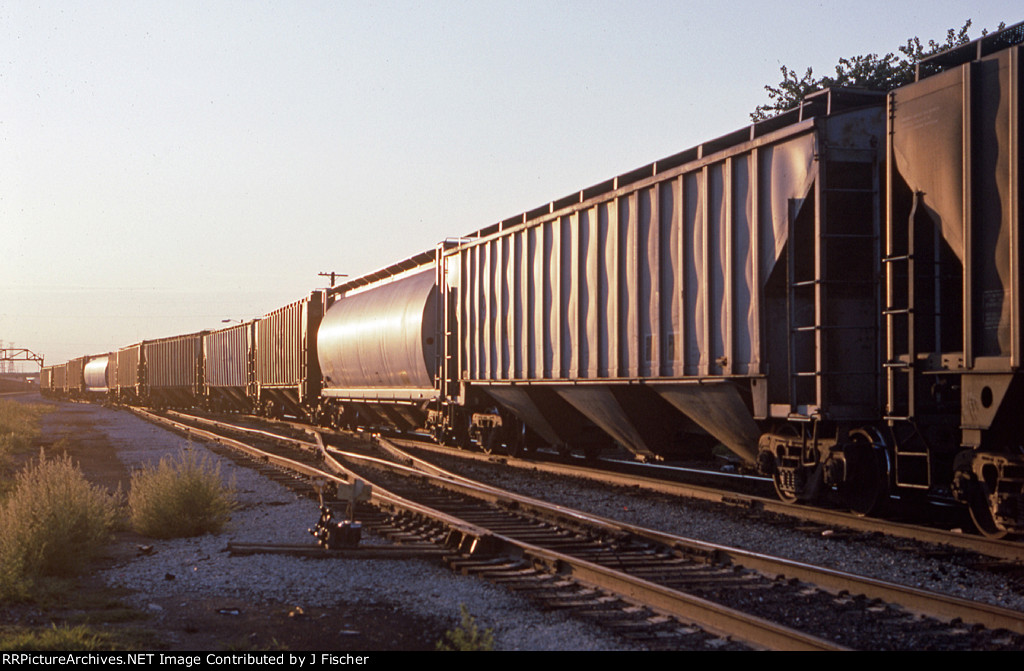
(182,496)
(19,425)
(19,431)
(467,636)
(51,524)
(57,639)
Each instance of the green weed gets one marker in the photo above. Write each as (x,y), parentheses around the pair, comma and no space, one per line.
(467,636)
(180,497)
(19,424)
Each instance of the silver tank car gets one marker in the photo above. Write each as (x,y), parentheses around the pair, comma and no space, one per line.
(96,379)
(381,344)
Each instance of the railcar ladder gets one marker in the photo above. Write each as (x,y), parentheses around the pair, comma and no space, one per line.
(901,373)
(796,305)
(812,291)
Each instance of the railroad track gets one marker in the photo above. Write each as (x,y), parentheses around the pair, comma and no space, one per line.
(650,585)
(1011,551)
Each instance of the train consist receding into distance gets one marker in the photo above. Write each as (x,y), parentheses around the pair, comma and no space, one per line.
(833,294)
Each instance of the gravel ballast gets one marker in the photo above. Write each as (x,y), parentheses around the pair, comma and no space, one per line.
(194,568)
(199,567)
(862,554)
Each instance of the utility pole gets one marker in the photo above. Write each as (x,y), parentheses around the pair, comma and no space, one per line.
(333,275)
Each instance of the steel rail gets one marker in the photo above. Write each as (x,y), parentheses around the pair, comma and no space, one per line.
(277,460)
(998,549)
(916,600)
(706,614)
(343,475)
(713,617)
(920,601)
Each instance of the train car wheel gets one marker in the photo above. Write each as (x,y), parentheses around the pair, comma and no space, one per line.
(490,441)
(983,519)
(515,446)
(785,495)
(865,489)
(976,485)
(782,478)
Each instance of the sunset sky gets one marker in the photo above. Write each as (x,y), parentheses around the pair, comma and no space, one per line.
(168,165)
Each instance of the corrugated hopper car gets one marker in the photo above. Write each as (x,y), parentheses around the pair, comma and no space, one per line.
(833,294)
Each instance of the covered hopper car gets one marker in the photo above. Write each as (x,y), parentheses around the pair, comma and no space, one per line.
(834,295)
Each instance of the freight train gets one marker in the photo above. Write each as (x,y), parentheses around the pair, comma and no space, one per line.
(833,294)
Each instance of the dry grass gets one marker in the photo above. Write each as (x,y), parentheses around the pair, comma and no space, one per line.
(52,523)
(19,431)
(56,639)
(19,424)
(180,497)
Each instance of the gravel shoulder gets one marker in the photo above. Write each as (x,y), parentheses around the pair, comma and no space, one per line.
(197,597)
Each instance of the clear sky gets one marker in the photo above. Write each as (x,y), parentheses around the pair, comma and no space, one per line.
(168,165)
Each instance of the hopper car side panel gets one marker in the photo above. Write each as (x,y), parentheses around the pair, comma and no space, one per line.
(74,383)
(953,285)
(228,373)
(60,377)
(286,371)
(172,369)
(46,381)
(130,374)
(697,275)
